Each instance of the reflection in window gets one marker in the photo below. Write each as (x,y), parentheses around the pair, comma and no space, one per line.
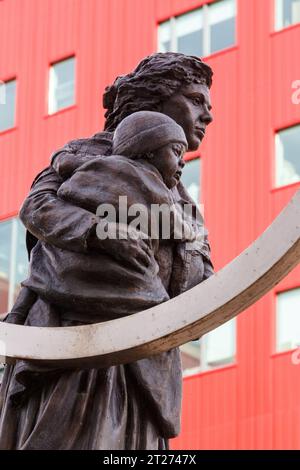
(13,262)
(288,156)
(200,32)
(7,105)
(191,177)
(287,12)
(288,320)
(61,85)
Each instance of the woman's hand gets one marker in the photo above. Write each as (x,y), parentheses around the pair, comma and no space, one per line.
(123,243)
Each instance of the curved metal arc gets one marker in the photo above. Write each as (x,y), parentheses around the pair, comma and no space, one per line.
(230,291)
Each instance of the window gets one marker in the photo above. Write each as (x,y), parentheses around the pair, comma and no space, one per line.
(191,177)
(215,349)
(287,143)
(287,12)
(200,32)
(220,345)
(13,262)
(288,320)
(5,249)
(61,85)
(7,105)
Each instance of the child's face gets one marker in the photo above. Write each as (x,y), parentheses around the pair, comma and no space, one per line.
(169,162)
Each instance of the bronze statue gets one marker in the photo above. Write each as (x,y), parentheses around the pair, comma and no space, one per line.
(136,405)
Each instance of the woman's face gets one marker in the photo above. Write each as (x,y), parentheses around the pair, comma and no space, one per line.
(190,108)
(169,162)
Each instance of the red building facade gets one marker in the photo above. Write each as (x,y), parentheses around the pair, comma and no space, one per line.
(253,401)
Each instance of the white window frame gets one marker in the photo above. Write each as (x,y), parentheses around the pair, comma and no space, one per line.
(11,279)
(3,96)
(278,13)
(12,263)
(279,159)
(52,99)
(204,365)
(206,29)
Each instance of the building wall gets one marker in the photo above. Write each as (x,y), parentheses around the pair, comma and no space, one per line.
(252,404)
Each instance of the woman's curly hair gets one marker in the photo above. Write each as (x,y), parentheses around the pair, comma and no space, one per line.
(155,79)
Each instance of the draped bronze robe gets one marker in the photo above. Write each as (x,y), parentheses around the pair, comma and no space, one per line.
(129,406)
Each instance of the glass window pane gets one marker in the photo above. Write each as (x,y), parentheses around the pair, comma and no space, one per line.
(7,105)
(220,345)
(287,12)
(189,22)
(191,177)
(222,17)
(288,156)
(190,357)
(164,37)
(189,33)
(5,250)
(288,320)
(62,85)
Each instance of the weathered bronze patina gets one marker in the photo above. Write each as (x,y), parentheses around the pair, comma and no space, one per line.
(128,406)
